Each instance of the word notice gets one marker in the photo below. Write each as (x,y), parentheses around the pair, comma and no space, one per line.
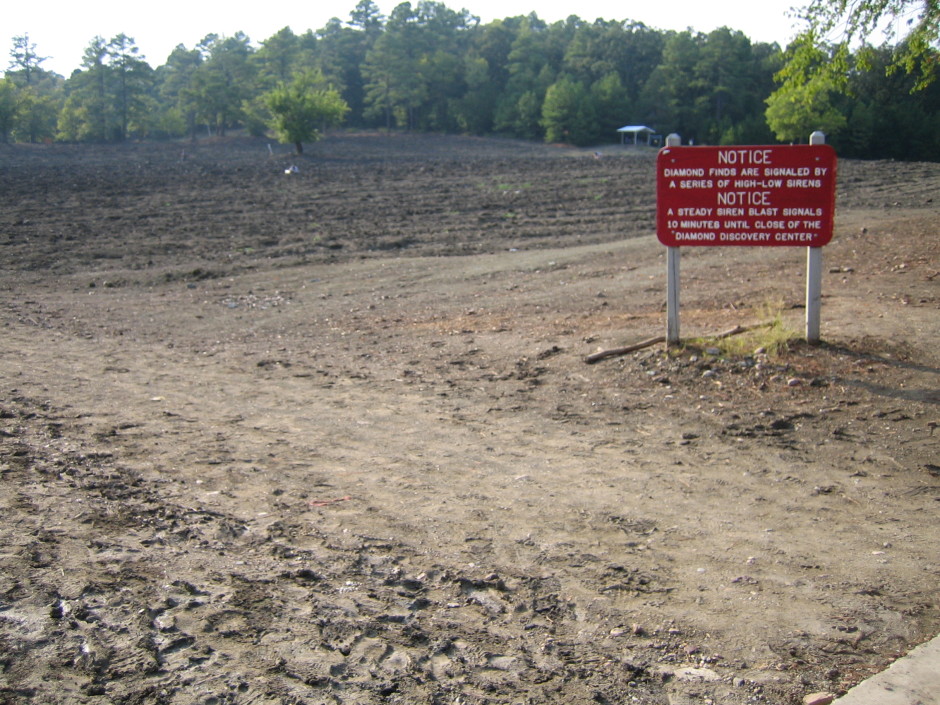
(773,195)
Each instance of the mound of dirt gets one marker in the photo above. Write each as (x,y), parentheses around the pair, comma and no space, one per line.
(328,434)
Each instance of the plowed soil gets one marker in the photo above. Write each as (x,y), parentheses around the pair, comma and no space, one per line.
(327,435)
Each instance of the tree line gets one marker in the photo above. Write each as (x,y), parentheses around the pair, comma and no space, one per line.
(427,67)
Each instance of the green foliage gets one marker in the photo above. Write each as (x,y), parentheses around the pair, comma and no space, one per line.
(24,61)
(109,94)
(176,96)
(795,111)
(8,108)
(73,124)
(223,81)
(429,68)
(885,118)
(708,87)
(35,116)
(474,110)
(394,83)
(302,108)
(168,123)
(836,26)
(29,96)
(610,101)
(567,114)
(255,115)
(131,81)
(821,63)
(414,72)
(277,57)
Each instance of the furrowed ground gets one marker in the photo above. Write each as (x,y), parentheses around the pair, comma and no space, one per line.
(329,436)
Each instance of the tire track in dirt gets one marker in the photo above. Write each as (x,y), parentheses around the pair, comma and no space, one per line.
(247,451)
(372,477)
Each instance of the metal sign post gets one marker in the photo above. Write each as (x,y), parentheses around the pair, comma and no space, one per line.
(672,276)
(814,274)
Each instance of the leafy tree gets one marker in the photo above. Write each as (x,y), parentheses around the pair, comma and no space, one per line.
(380,83)
(415,69)
(599,49)
(718,78)
(443,64)
(177,97)
(25,62)
(473,110)
(860,132)
(88,112)
(224,80)
(340,52)
(616,59)
(493,42)
(367,17)
(642,53)
(913,25)
(304,107)
(35,118)
(132,80)
(751,126)
(795,111)
(567,113)
(611,106)
(276,59)
(394,80)
(533,66)
(110,95)
(485,75)
(885,118)
(8,108)
(671,91)
(710,88)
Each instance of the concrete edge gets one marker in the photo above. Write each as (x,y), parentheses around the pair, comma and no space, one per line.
(913,679)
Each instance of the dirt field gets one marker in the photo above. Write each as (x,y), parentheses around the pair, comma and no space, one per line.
(329,436)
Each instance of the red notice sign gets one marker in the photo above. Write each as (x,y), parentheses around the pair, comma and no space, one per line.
(774,195)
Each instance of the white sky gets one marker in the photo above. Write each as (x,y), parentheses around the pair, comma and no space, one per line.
(61,29)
